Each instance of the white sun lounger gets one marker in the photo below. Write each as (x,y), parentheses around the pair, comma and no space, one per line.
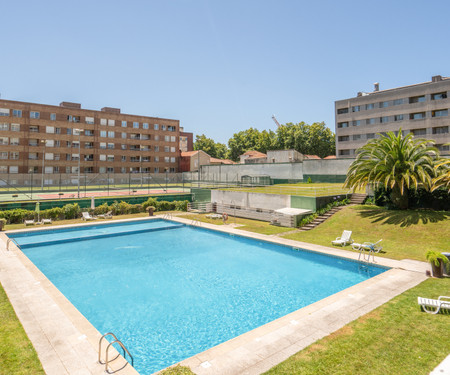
(29,222)
(433,306)
(86,216)
(345,239)
(375,247)
(46,221)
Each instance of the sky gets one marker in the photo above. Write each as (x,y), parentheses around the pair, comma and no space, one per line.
(219,66)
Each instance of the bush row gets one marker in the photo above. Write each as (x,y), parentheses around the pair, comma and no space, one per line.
(420,198)
(73,211)
(310,218)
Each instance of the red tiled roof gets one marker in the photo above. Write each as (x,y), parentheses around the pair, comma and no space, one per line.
(188,153)
(255,154)
(221,161)
(311,157)
(331,157)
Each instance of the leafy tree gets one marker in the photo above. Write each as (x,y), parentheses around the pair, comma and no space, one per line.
(398,162)
(213,149)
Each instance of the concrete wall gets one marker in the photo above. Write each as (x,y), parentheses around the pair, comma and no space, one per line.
(284,156)
(255,200)
(233,173)
(326,167)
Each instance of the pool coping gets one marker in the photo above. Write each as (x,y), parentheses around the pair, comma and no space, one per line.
(73,347)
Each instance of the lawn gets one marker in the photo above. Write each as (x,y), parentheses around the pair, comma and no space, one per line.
(406,234)
(17,355)
(303,189)
(396,338)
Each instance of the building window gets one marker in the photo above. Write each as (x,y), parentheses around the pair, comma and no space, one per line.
(417,99)
(166,148)
(439,113)
(13,169)
(342,111)
(417,132)
(370,121)
(3,155)
(103,121)
(172,149)
(69,131)
(111,146)
(110,134)
(102,169)
(14,155)
(4,112)
(344,152)
(370,135)
(356,137)
(166,138)
(124,158)
(439,96)
(110,158)
(167,159)
(14,141)
(16,113)
(370,106)
(171,128)
(102,157)
(384,104)
(173,138)
(124,135)
(356,108)
(35,115)
(103,145)
(343,138)
(4,126)
(89,120)
(156,126)
(3,169)
(145,125)
(103,133)
(156,137)
(156,158)
(34,129)
(123,147)
(53,116)
(417,116)
(135,125)
(172,159)
(398,117)
(440,130)
(163,127)
(50,129)
(356,123)
(384,119)
(111,122)
(156,148)
(49,143)
(124,124)
(443,147)
(398,101)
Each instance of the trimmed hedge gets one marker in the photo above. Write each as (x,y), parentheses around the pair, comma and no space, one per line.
(73,211)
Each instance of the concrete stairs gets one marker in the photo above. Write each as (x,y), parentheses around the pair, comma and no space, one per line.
(320,219)
(358,198)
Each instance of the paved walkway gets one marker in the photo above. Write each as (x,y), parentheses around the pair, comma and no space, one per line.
(67,343)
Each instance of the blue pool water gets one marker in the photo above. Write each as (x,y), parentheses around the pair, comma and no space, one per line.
(170,294)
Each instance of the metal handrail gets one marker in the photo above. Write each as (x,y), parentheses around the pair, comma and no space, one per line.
(124,350)
(107,361)
(14,241)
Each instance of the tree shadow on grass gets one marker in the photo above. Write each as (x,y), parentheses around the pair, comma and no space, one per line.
(404,218)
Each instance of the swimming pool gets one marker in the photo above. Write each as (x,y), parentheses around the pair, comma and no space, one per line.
(170,294)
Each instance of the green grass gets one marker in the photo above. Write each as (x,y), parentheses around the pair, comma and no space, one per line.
(396,338)
(406,234)
(255,226)
(17,355)
(302,189)
(177,370)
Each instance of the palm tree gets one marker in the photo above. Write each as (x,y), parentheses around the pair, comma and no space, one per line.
(395,161)
(443,175)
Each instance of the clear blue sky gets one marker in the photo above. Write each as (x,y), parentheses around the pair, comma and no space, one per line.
(219,66)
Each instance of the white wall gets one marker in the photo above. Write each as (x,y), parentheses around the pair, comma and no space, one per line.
(255,200)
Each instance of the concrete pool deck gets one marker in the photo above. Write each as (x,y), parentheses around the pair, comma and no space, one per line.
(67,343)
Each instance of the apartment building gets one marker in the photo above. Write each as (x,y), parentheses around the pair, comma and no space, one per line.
(59,139)
(421,109)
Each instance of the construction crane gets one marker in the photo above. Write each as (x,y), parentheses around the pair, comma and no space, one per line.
(275,120)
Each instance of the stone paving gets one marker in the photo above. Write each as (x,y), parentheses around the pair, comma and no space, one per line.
(67,343)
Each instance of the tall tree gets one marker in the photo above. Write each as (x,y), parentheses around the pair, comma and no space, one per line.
(213,149)
(398,162)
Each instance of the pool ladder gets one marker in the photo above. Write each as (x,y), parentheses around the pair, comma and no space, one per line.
(107,360)
(13,241)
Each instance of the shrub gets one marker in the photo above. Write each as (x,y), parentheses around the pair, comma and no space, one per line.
(150,202)
(136,208)
(71,211)
(2,223)
(181,205)
(310,218)
(55,213)
(165,206)
(102,209)
(309,181)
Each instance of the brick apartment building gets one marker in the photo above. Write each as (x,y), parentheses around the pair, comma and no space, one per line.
(421,109)
(60,138)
